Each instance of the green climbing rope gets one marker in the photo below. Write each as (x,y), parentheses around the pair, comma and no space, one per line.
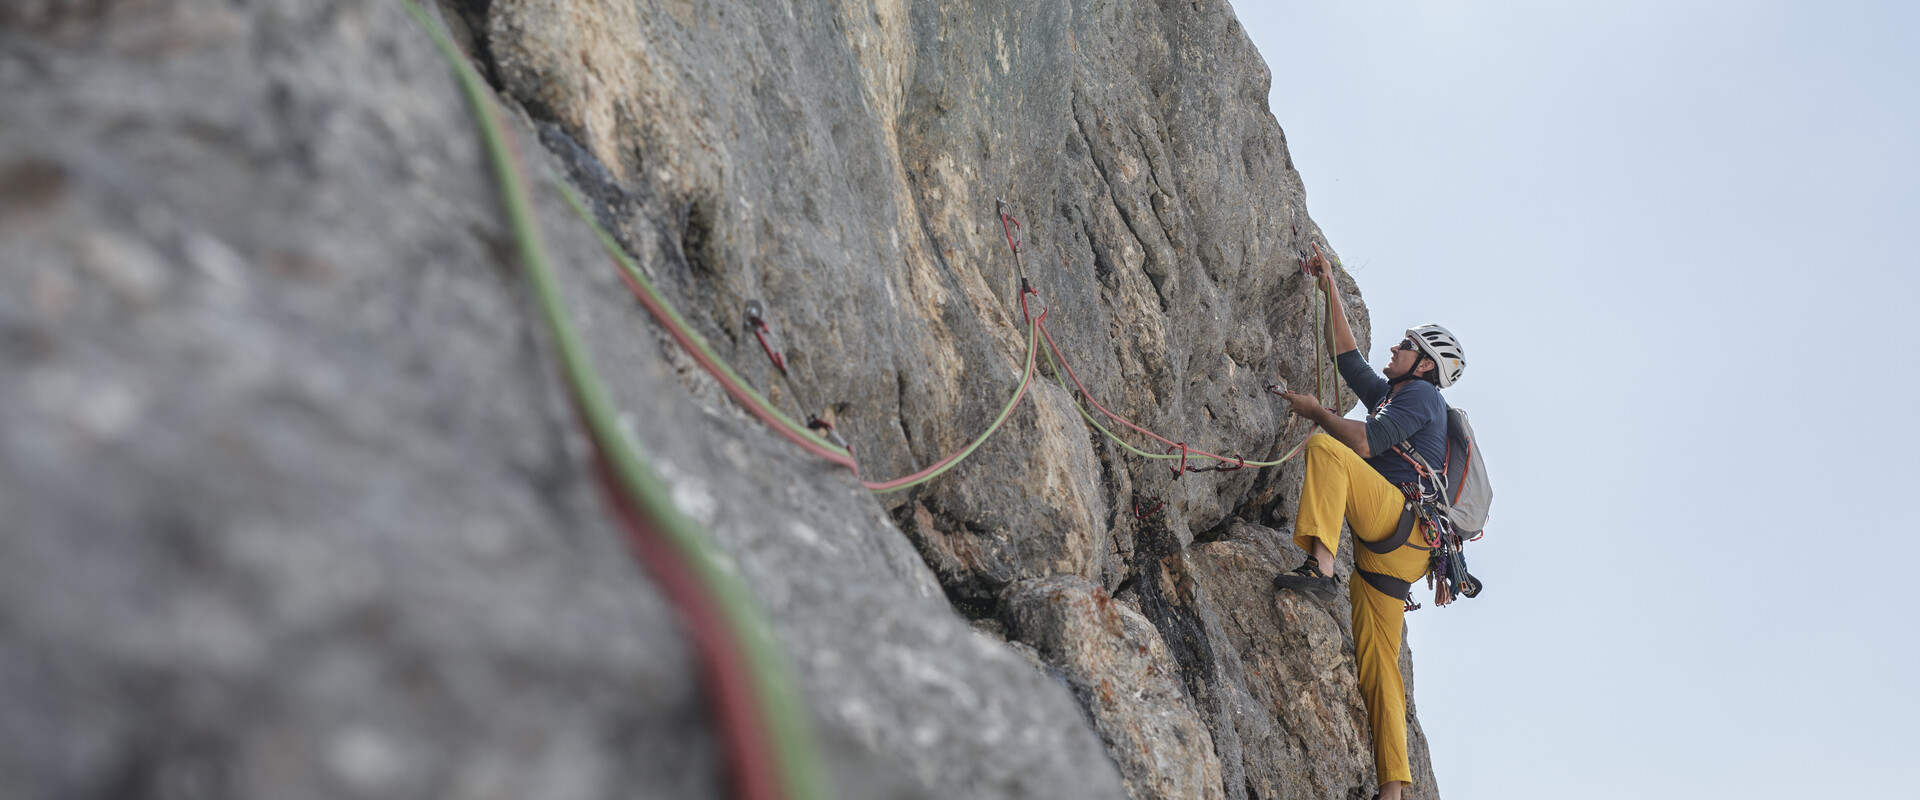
(801,774)
(935,471)
(678,324)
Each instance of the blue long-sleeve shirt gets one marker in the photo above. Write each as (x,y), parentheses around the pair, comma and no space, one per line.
(1415,412)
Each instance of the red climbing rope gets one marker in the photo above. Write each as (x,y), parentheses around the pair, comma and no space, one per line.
(1116,417)
(1008,224)
(1011,228)
(743,397)
(737,715)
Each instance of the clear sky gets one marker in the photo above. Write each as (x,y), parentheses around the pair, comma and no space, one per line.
(1678,242)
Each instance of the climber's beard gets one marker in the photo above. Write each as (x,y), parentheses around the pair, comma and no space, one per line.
(1402,363)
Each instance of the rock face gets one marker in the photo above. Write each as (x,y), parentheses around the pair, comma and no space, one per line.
(294,505)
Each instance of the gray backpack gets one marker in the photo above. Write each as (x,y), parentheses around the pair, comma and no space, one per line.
(1471,492)
(1465,491)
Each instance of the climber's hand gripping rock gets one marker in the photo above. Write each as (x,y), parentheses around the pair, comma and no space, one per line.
(1303,404)
(1318,266)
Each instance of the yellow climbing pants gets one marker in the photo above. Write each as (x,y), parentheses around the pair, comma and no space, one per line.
(1339,485)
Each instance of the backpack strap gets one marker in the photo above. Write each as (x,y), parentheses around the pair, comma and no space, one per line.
(1419,462)
(1405,451)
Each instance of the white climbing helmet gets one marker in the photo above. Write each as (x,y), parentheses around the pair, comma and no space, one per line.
(1438,344)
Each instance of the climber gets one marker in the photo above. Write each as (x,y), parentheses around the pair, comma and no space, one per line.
(1354,474)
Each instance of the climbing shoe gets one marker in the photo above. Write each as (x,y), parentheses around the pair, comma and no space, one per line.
(1306,578)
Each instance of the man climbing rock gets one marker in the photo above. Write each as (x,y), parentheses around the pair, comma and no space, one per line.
(1354,474)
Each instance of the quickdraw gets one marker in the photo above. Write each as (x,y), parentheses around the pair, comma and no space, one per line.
(1222,466)
(1143,515)
(757,322)
(815,423)
(756,314)
(1026,313)
(1183,468)
(1447,563)
(1009,225)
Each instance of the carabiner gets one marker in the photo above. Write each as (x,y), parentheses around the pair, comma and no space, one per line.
(757,322)
(1008,224)
(1143,515)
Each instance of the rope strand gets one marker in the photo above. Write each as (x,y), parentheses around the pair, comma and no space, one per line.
(940,468)
(769,742)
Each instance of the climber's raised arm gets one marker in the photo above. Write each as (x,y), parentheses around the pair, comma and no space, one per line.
(1319,267)
(1350,432)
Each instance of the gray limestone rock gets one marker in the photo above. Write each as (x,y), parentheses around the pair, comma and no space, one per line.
(1126,679)
(294,504)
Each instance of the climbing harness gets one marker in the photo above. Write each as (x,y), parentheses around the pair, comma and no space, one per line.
(1402,537)
(1426,510)
(1447,562)
(1430,498)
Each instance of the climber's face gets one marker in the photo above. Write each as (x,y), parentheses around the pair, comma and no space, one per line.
(1405,357)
